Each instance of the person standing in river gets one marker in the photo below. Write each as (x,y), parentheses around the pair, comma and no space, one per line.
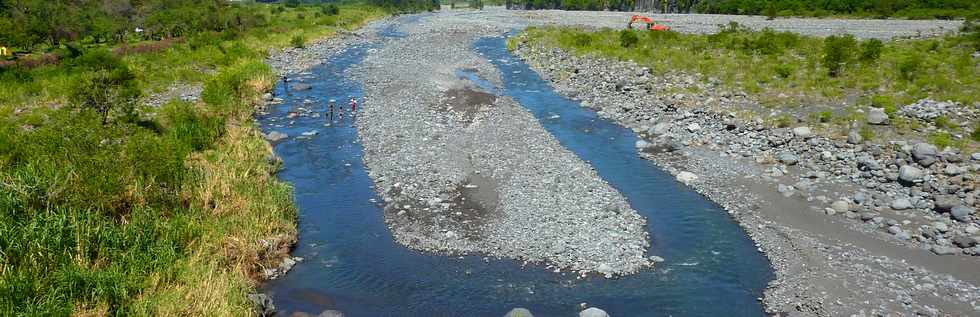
(285,85)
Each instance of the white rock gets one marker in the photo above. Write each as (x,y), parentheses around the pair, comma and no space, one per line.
(593,312)
(686,177)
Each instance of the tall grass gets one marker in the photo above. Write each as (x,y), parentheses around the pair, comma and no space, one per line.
(173,213)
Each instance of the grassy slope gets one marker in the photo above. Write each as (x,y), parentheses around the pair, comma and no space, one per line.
(784,70)
(170,220)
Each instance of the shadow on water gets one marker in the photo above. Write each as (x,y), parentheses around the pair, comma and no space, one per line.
(351,263)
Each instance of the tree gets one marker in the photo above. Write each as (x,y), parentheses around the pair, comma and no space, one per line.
(107,86)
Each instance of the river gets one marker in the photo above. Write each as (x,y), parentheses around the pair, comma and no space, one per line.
(351,263)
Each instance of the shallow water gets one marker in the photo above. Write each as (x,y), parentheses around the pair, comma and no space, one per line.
(352,264)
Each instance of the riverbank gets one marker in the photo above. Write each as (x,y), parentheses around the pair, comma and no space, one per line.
(781,184)
(169,208)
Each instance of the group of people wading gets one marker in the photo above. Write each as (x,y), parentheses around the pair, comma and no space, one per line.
(331,106)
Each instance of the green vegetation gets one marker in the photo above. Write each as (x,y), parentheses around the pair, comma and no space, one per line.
(916,9)
(110,207)
(590,5)
(771,63)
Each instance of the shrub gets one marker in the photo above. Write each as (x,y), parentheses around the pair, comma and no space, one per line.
(908,66)
(108,87)
(943,122)
(298,41)
(582,40)
(226,90)
(292,3)
(837,52)
(975,135)
(867,132)
(330,9)
(191,130)
(628,38)
(825,116)
(941,139)
(884,102)
(785,70)
(871,50)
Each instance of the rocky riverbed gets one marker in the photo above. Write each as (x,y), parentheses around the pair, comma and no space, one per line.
(898,193)
(850,226)
(465,171)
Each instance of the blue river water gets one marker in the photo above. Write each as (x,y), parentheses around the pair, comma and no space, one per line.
(351,263)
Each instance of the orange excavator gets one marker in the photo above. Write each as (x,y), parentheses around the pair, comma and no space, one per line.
(651,25)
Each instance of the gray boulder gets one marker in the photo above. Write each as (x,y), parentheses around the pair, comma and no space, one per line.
(877,116)
(945,203)
(263,304)
(593,312)
(854,137)
(519,312)
(840,206)
(961,213)
(924,153)
(965,242)
(788,158)
(276,136)
(659,129)
(941,250)
(803,132)
(909,173)
(901,204)
(641,144)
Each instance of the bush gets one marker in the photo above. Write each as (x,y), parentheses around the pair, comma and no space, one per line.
(975,135)
(785,70)
(191,130)
(940,139)
(908,66)
(825,116)
(628,38)
(884,102)
(226,91)
(943,122)
(298,41)
(108,87)
(330,9)
(837,52)
(871,50)
(582,40)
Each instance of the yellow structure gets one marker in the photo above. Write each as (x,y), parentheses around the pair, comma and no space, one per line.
(4,51)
